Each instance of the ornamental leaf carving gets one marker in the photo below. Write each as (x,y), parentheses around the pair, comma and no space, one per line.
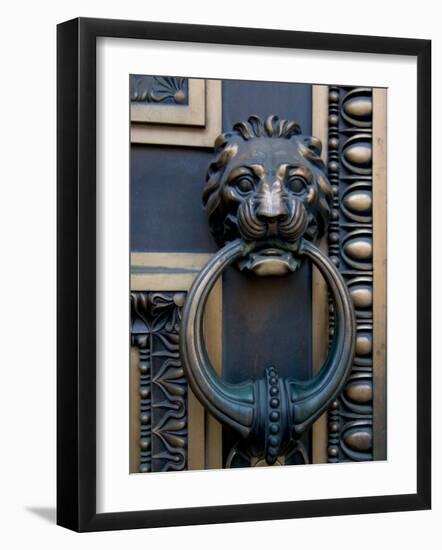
(155,324)
(159,89)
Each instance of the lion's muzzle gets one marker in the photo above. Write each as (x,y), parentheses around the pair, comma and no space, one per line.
(285,220)
(264,217)
(271,207)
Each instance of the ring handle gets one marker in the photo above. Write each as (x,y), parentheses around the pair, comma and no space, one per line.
(271,411)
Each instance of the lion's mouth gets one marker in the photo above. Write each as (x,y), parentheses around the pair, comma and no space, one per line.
(269,261)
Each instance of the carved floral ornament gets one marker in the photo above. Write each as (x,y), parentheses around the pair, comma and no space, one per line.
(158,89)
(156,318)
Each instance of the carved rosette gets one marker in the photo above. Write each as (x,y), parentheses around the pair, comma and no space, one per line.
(350,418)
(155,322)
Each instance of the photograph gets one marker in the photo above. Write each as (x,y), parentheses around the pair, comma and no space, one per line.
(257,273)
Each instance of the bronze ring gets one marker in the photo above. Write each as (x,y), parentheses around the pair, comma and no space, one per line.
(246,407)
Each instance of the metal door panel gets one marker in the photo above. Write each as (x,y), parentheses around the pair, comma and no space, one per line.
(252,323)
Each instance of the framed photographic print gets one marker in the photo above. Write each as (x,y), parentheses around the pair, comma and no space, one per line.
(243,274)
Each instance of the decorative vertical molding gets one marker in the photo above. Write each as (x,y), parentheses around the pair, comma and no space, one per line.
(333,173)
(319,287)
(379,273)
(155,320)
(214,344)
(134,405)
(350,166)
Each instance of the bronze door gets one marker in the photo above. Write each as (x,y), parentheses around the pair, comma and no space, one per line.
(271,319)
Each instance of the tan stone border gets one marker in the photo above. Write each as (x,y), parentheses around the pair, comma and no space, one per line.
(379,274)
(319,287)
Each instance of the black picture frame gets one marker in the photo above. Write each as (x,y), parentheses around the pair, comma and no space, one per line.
(76,273)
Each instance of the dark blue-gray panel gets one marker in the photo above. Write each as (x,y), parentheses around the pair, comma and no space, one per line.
(242,98)
(166,209)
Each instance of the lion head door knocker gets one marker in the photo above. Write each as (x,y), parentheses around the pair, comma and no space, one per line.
(268,201)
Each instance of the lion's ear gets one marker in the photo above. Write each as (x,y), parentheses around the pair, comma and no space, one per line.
(314,144)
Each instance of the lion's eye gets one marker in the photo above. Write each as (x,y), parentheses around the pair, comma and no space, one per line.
(244,184)
(297,184)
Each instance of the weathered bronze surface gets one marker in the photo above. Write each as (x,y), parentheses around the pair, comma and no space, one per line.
(163,279)
(268,201)
(358,251)
(267,181)
(158,89)
(163,388)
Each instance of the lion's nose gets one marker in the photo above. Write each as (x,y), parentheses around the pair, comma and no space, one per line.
(271,208)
